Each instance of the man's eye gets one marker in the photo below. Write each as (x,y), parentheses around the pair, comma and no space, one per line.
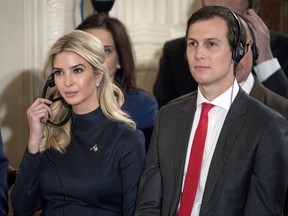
(211,44)
(192,43)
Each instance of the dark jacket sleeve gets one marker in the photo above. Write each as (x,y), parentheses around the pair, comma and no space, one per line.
(131,165)
(149,197)
(24,196)
(3,181)
(269,183)
(279,44)
(278,83)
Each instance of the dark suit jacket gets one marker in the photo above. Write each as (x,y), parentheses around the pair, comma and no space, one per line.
(279,46)
(277,103)
(248,174)
(269,98)
(174,78)
(3,181)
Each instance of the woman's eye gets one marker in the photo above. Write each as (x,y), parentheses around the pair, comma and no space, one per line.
(58,72)
(107,51)
(78,70)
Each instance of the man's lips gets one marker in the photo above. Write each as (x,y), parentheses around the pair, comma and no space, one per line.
(200,67)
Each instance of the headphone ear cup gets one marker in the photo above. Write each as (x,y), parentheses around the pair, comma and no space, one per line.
(238,53)
(50,81)
(255,51)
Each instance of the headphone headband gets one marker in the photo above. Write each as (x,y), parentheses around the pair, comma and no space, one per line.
(254,48)
(238,51)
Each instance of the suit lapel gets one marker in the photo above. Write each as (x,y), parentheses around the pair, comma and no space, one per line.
(183,130)
(232,125)
(257,91)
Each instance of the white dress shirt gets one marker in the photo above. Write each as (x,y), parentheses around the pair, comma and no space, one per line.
(248,84)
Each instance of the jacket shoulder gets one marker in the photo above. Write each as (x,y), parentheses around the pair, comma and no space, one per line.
(175,43)
(181,102)
(270,99)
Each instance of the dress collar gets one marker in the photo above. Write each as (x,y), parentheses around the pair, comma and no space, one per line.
(93,119)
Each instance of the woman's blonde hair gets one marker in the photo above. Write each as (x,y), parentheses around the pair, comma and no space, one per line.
(110,96)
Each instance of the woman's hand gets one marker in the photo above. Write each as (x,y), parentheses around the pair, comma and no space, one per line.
(38,114)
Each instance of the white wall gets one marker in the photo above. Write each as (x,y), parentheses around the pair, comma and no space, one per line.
(29,27)
(15,87)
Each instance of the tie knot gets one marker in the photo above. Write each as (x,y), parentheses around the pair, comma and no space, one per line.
(206,107)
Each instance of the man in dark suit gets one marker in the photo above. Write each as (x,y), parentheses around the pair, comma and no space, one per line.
(174,79)
(3,181)
(244,167)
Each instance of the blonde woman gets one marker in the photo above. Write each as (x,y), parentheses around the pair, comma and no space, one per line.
(90,165)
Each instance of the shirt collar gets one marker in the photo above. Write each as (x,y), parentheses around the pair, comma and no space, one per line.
(224,100)
(247,85)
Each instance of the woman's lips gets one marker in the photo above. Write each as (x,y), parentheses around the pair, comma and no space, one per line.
(70,94)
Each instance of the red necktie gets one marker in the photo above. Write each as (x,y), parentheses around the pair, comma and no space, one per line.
(195,161)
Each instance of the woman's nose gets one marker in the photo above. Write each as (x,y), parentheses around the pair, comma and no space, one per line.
(68,80)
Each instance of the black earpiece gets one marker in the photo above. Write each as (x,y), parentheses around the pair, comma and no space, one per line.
(238,51)
(50,81)
(254,48)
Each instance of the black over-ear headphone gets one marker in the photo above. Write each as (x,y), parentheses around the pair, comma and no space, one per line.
(254,48)
(238,51)
(50,83)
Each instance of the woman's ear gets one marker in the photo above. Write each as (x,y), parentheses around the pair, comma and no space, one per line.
(118,66)
(98,79)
